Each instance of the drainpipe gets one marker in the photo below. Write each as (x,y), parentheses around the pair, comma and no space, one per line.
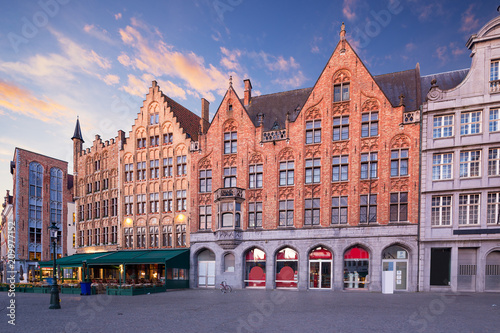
(419,198)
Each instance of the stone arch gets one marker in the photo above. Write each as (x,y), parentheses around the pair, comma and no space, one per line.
(371,104)
(230,125)
(400,141)
(342,75)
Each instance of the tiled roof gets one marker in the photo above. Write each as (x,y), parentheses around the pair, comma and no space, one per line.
(404,83)
(274,107)
(444,81)
(188,120)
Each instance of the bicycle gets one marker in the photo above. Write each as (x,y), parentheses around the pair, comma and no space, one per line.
(224,287)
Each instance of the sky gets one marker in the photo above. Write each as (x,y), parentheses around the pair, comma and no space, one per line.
(63,59)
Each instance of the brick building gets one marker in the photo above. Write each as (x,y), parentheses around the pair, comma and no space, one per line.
(7,218)
(310,188)
(42,195)
(131,191)
(460,172)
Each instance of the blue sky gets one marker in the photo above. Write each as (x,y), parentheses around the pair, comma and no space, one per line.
(60,59)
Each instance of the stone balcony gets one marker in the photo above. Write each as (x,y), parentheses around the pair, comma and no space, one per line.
(274,135)
(229,193)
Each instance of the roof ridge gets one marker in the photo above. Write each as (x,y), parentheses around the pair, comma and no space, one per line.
(406,70)
(456,70)
(282,92)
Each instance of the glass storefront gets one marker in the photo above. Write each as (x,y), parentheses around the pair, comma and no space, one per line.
(320,268)
(395,258)
(356,264)
(255,268)
(286,268)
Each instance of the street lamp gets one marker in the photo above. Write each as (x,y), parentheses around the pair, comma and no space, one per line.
(54,290)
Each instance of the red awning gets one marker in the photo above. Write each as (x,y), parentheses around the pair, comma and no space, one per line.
(320,253)
(356,253)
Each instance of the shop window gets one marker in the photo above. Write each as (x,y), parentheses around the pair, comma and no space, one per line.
(320,268)
(255,268)
(356,268)
(287,268)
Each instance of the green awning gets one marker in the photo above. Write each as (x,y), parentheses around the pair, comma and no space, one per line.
(178,258)
(75,260)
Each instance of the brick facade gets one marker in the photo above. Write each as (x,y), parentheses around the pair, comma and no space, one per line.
(304,134)
(147,178)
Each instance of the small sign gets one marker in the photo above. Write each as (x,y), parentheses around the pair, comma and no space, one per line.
(398,281)
(401,254)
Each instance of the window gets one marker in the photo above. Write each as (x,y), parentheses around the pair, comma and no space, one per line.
(114,206)
(205,217)
(339,210)
(89,188)
(81,238)
(105,235)
(229,214)
(181,165)
(441,210)
(399,207)
(230,142)
(129,204)
(341,92)
(181,200)
(129,172)
(141,170)
(167,236)
(97,210)
(470,122)
(255,176)
(399,162)
(494,73)
(89,211)
(442,166)
(312,210)
(97,165)
(154,168)
(180,233)
(105,209)
(339,168)
(114,234)
(493,208)
(154,202)
(255,215)
(230,177)
(470,163)
(468,209)
(89,237)
(369,124)
(154,140)
(154,240)
(154,118)
(129,237)
(97,236)
(494,120)
(494,162)
(141,237)
(81,212)
(368,208)
(105,183)
(167,201)
(141,203)
(141,143)
(97,186)
(205,181)
(340,128)
(286,173)
(442,126)
(286,213)
(168,138)
(369,163)
(167,167)
(313,170)
(313,131)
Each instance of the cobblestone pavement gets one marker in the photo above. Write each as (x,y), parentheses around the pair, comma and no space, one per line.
(256,311)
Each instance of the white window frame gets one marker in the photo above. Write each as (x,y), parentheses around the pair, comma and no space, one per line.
(470,207)
(439,129)
(440,210)
(470,122)
(470,168)
(440,164)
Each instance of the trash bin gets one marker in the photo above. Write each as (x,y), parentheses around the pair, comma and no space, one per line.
(85,288)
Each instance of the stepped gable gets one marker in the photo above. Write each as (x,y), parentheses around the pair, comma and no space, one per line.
(187,119)
(274,107)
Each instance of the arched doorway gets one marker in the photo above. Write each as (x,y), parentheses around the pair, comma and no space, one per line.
(206,269)
(287,262)
(395,258)
(356,268)
(255,268)
(492,276)
(320,268)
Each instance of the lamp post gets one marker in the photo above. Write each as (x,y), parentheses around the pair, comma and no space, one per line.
(54,290)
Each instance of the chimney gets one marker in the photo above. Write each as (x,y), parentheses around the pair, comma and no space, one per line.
(204,122)
(248,91)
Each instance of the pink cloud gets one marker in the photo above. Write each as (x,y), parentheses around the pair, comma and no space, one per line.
(348,9)
(469,20)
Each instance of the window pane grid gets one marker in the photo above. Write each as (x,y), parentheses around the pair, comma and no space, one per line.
(339,210)
(340,128)
(470,122)
(494,162)
(442,126)
(286,213)
(442,166)
(441,210)
(340,168)
(470,163)
(468,209)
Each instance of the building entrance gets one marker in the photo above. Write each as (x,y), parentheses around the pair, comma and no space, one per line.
(206,269)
